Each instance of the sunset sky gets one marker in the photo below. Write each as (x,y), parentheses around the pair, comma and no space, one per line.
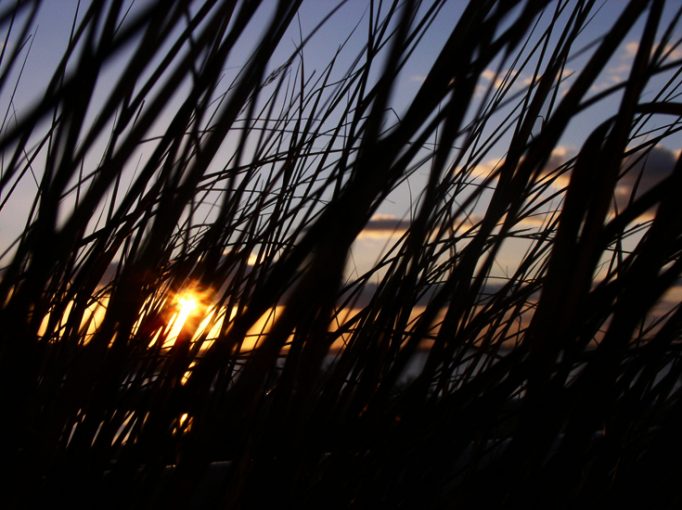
(50,34)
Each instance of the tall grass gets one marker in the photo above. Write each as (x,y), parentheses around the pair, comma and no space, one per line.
(291,379)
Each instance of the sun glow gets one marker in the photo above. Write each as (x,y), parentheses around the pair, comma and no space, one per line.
(189,306)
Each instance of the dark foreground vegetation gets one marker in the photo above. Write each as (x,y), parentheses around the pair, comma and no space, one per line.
(157,166)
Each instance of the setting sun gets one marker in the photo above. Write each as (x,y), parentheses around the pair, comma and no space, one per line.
(188,306)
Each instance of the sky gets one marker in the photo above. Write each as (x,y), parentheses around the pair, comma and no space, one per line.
(50,34)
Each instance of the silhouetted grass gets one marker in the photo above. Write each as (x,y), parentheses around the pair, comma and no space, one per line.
(434,379)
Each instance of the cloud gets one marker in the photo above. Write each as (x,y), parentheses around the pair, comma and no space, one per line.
(540,220)
(383,226)
(553,168)
(511,79)
(485,169)
(620,70)
(489,78)
(429,291)
(670,51)
(612,76)
(488,75)
(631,48)
(641,172)
(467,226)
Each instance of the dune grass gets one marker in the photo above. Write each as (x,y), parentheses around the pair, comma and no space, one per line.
(159,167)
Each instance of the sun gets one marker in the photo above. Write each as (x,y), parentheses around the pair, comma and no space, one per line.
(189,306)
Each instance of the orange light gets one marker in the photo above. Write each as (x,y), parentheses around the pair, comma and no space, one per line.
(189,305)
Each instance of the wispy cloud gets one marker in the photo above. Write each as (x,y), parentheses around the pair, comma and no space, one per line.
(512,79)
(384,226)
(670,51)
(631,48)
(537,221)
(552,170)
(620,69)
(507,78)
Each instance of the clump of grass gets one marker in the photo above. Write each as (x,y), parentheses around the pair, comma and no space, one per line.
(555,382)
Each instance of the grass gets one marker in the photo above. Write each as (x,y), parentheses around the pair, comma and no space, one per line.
(157,169)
